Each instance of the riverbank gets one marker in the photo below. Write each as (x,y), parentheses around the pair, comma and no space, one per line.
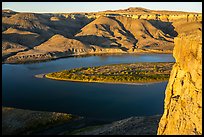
(134,73)
(32,59)
(20,121)
(126,83)
(147,125)
(105,82)
(27,122)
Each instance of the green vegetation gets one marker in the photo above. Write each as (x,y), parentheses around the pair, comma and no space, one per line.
(121,73)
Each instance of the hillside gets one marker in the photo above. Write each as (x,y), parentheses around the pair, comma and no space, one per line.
(59,43)
(58,35)
(125,33)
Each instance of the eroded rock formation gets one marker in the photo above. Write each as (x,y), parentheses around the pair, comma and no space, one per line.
(183,101)
(119,31)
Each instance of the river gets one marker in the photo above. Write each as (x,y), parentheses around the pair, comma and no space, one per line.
(21,89)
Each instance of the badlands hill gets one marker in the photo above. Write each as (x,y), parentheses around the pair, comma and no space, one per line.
(32,36)
(124,33)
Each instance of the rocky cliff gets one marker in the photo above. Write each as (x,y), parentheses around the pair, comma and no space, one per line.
(183,101)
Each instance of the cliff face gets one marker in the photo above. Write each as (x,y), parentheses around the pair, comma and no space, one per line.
(147,14)
(171,17)
(183,101)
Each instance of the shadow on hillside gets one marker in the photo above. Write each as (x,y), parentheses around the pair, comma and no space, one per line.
(165,27)
(101,41)
(96,40)
(128,32)
(28,40)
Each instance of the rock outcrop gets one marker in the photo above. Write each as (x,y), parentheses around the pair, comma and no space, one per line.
(160,15)
(183,101)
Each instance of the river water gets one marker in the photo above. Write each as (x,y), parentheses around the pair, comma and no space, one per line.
(21,89)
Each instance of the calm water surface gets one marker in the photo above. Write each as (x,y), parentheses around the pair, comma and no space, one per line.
(93,100)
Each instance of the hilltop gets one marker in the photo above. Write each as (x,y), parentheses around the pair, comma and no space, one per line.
(41,36)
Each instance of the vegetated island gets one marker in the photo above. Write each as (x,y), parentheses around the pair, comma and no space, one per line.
(118,73)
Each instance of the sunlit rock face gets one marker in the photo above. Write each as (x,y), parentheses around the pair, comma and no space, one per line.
(183,99)
(169,17)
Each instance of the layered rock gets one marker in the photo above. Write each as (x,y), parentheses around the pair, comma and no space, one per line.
(170,18)
(183,101)
(29,56)
(160,15)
